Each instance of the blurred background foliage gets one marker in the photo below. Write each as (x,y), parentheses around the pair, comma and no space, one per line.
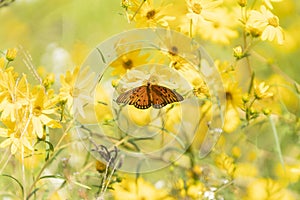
(78,26)
(59,34)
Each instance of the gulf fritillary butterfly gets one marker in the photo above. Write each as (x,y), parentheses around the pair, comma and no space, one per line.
(145,96)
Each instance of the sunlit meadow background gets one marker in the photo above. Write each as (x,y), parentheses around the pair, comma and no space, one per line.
(258,154)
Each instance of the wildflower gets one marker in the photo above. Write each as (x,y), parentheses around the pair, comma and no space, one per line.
(200,88)
(196,191)
(238,52)
(245,170)
(199,10)
(11,54)
(232,119)
(267,23)
(2,63)
(138,189)
(266,111)
(150,16)
(128,61)
(220,29)
(267,189)
(261,91)
(175,46)
(76,89)
(173,119)
(236,151)
(138,116)
(17,137)
(233,102)
(226,163)
(49,80)
(42,108)
(290,173)
(125,4)
(13,95)
(252,155)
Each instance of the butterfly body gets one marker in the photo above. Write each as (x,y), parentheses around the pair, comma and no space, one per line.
(145,96)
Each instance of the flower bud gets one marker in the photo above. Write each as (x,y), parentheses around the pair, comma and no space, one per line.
(11,54)
(242,3)
(238,52)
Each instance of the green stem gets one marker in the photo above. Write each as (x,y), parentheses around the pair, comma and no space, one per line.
(277,144)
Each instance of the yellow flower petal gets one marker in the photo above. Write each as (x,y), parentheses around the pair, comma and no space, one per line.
(37,126)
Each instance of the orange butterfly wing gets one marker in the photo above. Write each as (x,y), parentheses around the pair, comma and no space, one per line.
(139,97)
(144,96)
(161,96)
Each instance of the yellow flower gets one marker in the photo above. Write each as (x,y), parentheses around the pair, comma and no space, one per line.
(262,189)
(11,54)
(261,91)
(233,102)
(221,29)
(288,173)
(245,170)
(48,78)
(17,137)
(199,10)
(238,52)
(132,189)
(252,155)
(13,95)
(231,119)
(150,16)
(42,109)
(128,61)
(266,22)
(76,89)
(173,119)
(226,163)
(175,46)
(200,88)
(2,63)
(138,116)
(236,151)
(196,191)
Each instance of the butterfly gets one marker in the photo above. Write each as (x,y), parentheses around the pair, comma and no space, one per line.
(145,96)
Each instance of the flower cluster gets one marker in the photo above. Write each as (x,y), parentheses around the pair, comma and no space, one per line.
(26,111)
(254,155)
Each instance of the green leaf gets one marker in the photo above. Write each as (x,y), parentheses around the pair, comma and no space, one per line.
(52,176)
(101,54)
(20,184)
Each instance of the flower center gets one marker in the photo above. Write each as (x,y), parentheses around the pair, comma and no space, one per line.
(37,111)
(273,21)
(173,51)
(197,8)
(229,96)
(150,14)
(127,62)
(216,25)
